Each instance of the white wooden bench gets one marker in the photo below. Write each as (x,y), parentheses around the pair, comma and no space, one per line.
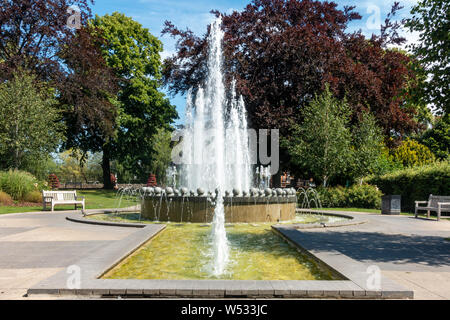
(53,198)
(436,204)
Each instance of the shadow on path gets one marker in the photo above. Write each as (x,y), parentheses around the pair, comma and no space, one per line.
(379,247)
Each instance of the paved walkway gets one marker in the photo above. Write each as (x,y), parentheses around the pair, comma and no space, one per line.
(410,251)
(413,252)
(35,246)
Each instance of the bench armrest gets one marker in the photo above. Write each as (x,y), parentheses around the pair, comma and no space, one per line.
(421,202)
(79,198)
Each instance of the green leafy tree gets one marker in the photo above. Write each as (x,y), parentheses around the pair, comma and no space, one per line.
(76,166)
(386,163)
(438,138)
(30,125)
(367,145)
(411,153)
(162,144)
(431,19)
(322,142)
(133,54)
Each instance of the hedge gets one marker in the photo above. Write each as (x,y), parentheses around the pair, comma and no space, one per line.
(415,184)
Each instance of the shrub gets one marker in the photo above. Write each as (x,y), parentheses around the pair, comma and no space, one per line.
(33,196)
(18,183)
(411,153)
(5,199)
(364,196)
(332,197)
(359,196)
(415,184)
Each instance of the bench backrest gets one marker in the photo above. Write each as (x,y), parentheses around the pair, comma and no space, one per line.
(60,195)
(433,201)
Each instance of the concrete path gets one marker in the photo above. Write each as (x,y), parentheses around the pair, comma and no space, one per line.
(35,246)
(412,252)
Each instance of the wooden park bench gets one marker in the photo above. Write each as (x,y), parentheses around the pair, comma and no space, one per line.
(54,198)
(437,204)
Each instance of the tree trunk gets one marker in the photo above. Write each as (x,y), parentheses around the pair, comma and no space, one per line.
(106,167)
(325,181)
(16,148)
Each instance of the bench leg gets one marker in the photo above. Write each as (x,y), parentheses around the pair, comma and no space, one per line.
(53,207)
(415,213)
(438,215)
(428,214)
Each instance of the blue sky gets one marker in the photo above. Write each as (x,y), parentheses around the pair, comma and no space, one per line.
(194,14)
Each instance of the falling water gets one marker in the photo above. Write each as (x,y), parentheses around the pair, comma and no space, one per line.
(216,153)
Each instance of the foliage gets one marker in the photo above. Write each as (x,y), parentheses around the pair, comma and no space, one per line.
(282,53)
(18,183)
(357,196)
(162,155)
(29,121)
(367,146)
(35,37)
(322,142)
(437,139)
(33,196)
(431,20)
(411,153)
(133,54)
(335,197)
(5,199)
(32,31)
(40,167)
(385,163)
(88,99)
(415,184)
(74,166)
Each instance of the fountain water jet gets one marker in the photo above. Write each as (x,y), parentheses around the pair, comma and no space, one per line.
(215,148)
(216,168)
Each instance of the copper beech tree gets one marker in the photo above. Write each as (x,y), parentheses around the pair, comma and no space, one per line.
(283,52)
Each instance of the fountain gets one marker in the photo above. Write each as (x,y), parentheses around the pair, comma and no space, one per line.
(216,171)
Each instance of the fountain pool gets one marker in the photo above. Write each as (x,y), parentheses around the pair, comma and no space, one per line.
(183,252)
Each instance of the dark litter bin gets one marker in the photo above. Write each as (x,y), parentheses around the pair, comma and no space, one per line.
(391,204)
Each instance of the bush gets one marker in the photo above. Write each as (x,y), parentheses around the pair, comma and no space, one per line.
(333,197)
(18,183)
(357,196)
(5,199)
(411,153)
(415,184)
(34,197)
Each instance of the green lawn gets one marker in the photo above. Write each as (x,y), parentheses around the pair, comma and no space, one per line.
(353,209)
(95,199)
